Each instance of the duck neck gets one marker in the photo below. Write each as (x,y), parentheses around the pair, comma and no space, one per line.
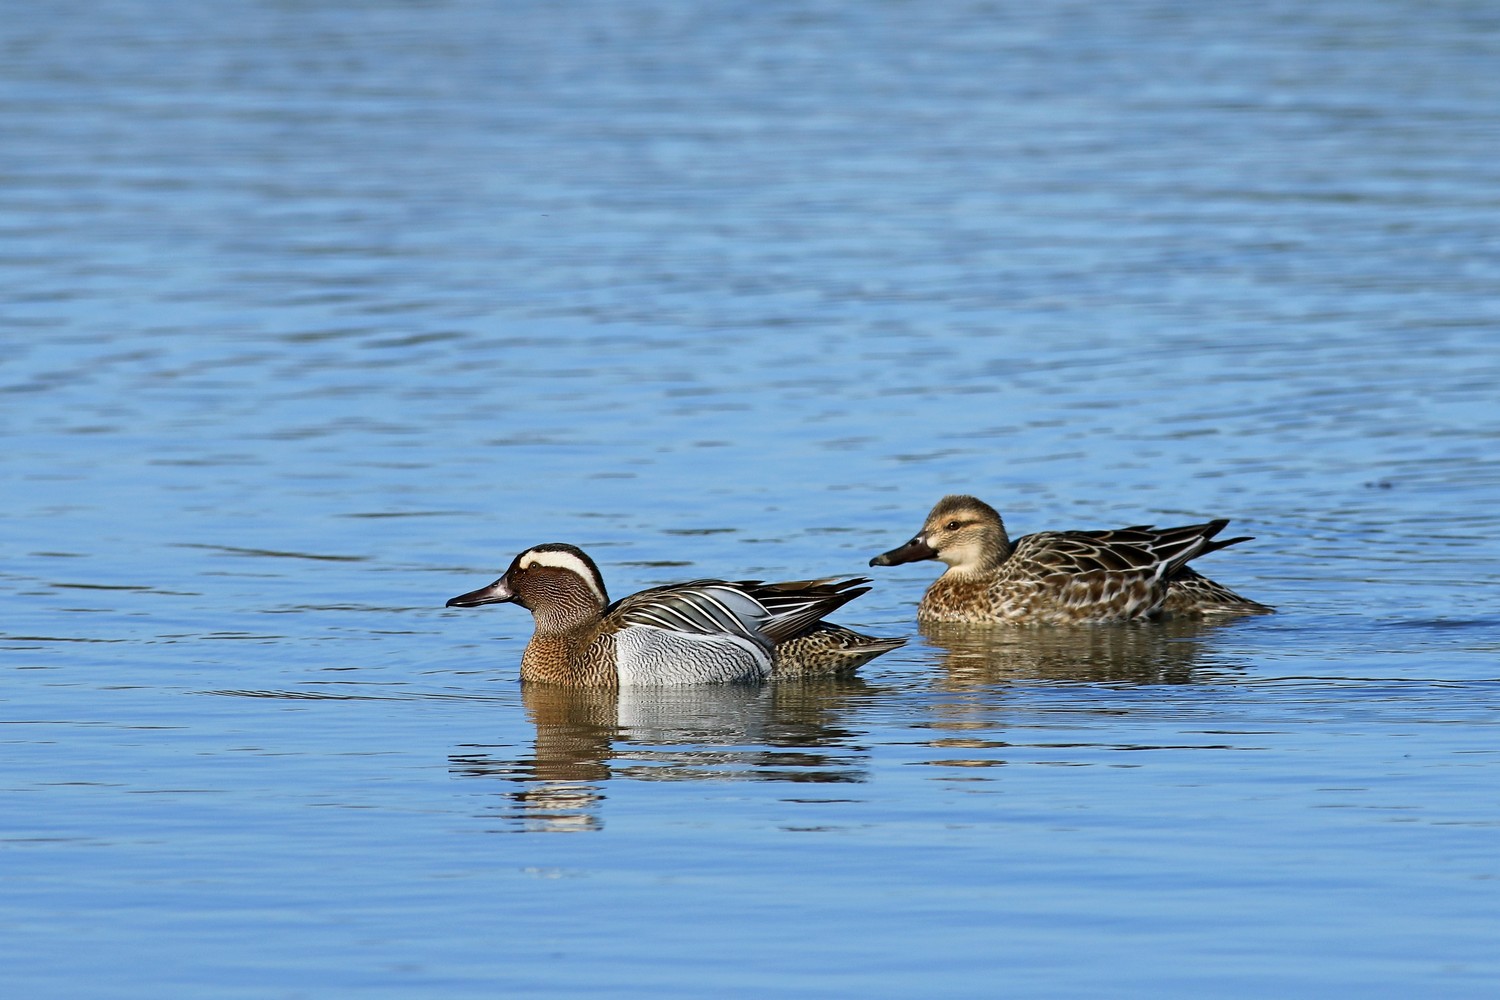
(563,613)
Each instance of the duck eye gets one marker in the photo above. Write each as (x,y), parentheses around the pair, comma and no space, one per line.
(952,525)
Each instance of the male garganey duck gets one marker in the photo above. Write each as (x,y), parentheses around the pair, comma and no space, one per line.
(1062,577)
(702,632)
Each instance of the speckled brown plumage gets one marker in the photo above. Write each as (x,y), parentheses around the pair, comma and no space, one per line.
(1062,577)
(581,657)
(703,631)
(828,650)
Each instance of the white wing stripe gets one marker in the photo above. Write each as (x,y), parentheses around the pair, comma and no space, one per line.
(644,616)
(665,615)
(708,609)
(731,618)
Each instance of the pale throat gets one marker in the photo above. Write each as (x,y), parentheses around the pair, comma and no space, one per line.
(970,559)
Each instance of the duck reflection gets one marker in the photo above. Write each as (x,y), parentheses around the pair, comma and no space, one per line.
(983,666)
(787,731)
(1174,651)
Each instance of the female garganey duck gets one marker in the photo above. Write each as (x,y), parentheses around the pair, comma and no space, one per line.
(701,632)
(1062,577)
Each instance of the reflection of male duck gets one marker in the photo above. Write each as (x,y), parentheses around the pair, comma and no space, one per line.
(586,736)
(1167,652)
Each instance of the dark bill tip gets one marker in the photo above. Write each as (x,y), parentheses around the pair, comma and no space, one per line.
(495,593)
(913,551)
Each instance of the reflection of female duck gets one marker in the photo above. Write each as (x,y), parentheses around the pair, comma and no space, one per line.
(1168,652)
(586,736)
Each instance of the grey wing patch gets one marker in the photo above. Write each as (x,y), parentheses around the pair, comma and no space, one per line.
(703,632)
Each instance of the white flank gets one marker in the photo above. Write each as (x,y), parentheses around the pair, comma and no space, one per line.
(647,655)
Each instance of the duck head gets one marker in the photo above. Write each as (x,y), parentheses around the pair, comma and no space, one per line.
(552,581)
(962,531)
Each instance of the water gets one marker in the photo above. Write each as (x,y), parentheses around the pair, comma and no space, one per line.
(315,315)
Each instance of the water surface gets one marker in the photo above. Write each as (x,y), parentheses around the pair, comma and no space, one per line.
(314,315)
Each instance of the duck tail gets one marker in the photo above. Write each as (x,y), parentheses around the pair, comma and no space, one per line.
(798,605)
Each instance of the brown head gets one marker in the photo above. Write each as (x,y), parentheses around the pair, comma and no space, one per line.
(962,531)
(556,582)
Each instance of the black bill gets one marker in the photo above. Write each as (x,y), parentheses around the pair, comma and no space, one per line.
(913,551)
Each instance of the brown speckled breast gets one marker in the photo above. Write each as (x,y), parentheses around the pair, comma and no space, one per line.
(1055,599)
(578,659)
(961,599)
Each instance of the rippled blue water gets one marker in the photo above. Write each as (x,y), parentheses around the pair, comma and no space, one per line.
(316,314)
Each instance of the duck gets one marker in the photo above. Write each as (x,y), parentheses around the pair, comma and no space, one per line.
(1064,577)
(698,632)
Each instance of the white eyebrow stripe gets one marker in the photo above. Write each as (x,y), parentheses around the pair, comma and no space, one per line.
(569,562)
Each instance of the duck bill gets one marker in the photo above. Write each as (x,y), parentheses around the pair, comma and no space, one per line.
(913,551)
(496,593)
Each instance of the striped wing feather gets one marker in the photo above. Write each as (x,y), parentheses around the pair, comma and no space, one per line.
(797,606)
(766,612)
(1145,550)
(702,607)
